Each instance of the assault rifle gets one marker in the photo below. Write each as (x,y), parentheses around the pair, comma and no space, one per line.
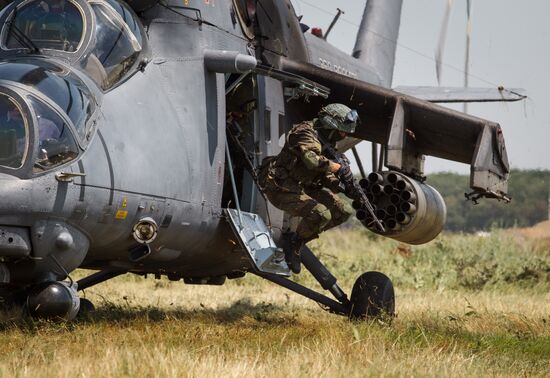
(351,186)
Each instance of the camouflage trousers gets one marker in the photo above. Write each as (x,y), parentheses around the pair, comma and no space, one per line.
(319,209)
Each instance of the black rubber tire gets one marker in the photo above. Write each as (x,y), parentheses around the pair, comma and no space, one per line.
(372,297)
(86,309)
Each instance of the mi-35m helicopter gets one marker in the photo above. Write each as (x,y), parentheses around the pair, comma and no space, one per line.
(117,153)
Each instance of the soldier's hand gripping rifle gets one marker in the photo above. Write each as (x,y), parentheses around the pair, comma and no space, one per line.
(351,187)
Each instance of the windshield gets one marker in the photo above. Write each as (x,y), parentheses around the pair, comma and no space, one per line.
(56,145)
(57,83)
(46,24)
(116,50)
(13,133)
(105,38)
(129,17)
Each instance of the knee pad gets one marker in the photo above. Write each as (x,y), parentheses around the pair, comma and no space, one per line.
(320,215)
(346,210)
(314,221)
(341,212)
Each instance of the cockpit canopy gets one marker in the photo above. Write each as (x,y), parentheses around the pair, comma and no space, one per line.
(34,137)
(46,115)
(46,24)
(51,53)
(56,83)
(102,37)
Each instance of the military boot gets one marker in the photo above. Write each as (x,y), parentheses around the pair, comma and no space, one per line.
(292,244)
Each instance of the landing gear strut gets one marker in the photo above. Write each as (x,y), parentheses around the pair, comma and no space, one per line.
(372,295)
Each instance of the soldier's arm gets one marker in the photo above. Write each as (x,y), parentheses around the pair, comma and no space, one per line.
(309,150)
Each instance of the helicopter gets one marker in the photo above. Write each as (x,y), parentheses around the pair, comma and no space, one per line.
(130,133)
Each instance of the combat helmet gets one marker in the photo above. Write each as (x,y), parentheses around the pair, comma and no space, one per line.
(338,117)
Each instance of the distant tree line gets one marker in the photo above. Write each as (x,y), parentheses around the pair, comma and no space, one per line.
(528,189)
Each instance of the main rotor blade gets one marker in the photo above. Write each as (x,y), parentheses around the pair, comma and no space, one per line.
(442,39)
(468,42)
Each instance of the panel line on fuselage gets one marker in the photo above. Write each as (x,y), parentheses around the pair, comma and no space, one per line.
(82,181)
(111,172)
(154,196)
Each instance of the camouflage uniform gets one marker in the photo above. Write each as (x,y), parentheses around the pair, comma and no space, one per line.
(296,180)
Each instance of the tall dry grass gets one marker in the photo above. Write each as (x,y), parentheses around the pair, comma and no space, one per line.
(458,315)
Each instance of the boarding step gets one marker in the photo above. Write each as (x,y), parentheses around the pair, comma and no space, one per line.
(257,240)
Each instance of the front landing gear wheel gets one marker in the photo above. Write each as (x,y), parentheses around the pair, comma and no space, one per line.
(86,309)
(372,296)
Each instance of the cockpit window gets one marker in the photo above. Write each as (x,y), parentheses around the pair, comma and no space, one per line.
(46,24)
(57,83)
(116,50)
(13,134)
(128,17)
(56,144)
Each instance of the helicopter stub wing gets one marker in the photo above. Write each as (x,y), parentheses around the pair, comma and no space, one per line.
(411,128)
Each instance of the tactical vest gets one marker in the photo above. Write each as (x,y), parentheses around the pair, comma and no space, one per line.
(287,171)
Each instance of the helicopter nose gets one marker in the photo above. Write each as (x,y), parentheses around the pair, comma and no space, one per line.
(33,234)
(15,240)
(15,194)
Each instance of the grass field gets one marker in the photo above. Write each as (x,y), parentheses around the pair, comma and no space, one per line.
(466,305)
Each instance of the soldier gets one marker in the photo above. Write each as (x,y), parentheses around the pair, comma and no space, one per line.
(304,183)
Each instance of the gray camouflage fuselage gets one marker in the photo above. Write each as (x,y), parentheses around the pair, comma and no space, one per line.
(158,149)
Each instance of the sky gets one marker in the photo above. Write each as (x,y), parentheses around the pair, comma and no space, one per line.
(510,47)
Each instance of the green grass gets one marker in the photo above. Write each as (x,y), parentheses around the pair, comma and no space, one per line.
(452,261)
(466,306)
